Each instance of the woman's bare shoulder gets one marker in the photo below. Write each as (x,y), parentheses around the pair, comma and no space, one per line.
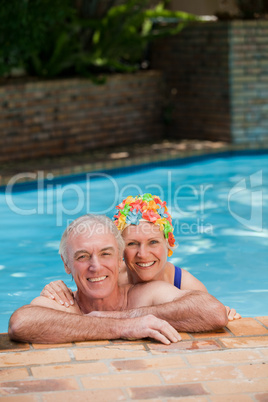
(151,293)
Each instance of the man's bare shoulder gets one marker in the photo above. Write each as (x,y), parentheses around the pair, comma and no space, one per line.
(48,303)
(152,293)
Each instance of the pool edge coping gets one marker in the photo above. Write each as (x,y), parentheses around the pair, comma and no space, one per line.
(63,174)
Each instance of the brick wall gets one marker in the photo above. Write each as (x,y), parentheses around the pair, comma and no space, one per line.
(44,118)
(248,59)
(217,81)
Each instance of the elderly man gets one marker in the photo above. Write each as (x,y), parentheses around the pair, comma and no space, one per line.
(91,249)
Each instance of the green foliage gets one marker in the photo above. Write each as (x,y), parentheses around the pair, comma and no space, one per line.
(28,29)
(49,38)
(122,36)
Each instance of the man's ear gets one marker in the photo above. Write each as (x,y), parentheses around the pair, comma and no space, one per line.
(67,269)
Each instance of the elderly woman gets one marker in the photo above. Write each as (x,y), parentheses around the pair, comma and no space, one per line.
(146,227)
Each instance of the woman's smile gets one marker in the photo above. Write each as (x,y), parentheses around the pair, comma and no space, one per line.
(145,264)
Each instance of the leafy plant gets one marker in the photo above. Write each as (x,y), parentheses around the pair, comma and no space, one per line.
(26,27)
(49,38)
(122,36)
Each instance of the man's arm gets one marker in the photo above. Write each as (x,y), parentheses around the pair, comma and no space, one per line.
(39,324)
(185,310)
(193,311)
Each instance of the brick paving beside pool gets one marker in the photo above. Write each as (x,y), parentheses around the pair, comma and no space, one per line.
(229,365)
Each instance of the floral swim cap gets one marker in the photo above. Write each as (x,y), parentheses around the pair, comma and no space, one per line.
(146,207)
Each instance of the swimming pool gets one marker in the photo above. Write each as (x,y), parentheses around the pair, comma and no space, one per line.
(219,207)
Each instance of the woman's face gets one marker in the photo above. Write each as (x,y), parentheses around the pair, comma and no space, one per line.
(145,251)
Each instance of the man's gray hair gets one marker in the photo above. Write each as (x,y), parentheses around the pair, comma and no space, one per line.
(90,224)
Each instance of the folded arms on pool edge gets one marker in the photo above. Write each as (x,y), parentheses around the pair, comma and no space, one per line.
(44,321)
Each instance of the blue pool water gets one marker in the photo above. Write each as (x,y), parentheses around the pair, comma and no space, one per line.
(220,214)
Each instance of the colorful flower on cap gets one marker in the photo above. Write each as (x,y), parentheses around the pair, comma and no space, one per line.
(150,215)
(137,205)
(146,207)
(121,222)
(134,217)
(162,213)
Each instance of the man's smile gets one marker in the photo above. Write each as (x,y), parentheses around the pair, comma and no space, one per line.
(101,278)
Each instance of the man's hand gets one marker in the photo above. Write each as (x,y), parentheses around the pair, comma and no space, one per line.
(147,326)
(59,292)
(232,314)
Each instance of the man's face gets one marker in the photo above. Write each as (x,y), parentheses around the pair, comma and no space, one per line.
(93,261)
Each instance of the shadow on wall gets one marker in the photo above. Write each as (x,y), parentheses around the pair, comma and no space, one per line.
(205,7)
